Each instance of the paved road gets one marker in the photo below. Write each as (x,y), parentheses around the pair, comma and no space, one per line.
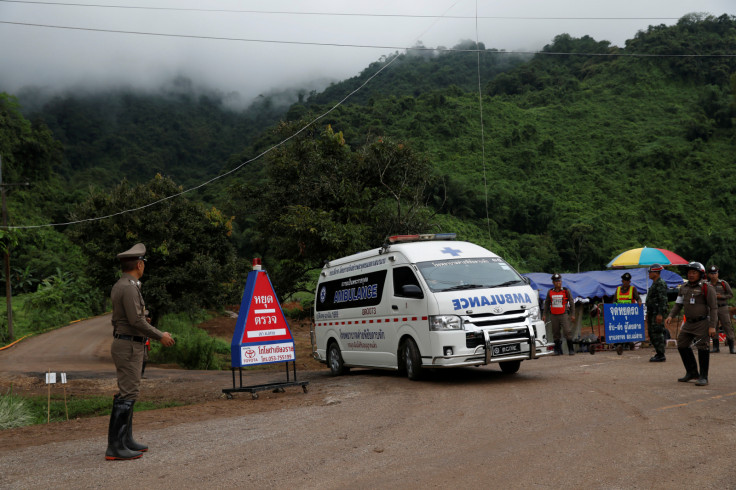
(602,421)
(81,346)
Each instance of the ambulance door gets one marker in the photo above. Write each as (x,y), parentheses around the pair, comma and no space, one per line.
(408,310)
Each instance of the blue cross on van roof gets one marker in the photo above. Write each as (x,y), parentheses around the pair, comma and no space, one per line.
(452,251)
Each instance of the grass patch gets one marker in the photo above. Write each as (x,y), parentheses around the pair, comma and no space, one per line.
(14,411)
(17,411)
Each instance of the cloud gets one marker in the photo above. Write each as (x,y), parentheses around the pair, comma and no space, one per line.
(59,59)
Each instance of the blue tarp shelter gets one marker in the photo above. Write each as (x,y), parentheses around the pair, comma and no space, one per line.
(596,284)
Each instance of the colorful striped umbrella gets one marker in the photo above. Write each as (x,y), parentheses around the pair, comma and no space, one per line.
(646,256)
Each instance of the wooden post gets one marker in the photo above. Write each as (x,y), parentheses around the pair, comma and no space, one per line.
(48,405)
(6,260)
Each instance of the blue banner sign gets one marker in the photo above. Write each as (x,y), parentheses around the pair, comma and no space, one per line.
(624,322)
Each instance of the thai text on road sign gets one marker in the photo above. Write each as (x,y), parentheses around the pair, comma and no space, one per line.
(262,335)
(624,322)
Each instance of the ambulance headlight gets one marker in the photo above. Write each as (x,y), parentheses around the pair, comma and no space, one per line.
(534,314)
(445,322)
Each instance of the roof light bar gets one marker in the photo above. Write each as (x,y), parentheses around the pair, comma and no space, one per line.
(417,238)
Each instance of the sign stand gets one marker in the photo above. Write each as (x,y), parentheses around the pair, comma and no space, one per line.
(276,387)
(261,335)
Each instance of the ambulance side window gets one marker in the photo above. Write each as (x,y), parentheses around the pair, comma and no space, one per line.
(406,284)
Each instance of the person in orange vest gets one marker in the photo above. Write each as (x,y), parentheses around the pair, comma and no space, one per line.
(628,294)
(559,305)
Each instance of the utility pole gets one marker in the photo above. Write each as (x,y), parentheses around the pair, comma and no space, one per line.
(6,258)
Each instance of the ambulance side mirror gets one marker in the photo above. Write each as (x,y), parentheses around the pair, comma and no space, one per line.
(411,291)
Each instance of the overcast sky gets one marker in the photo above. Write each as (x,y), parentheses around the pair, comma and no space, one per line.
(61,58)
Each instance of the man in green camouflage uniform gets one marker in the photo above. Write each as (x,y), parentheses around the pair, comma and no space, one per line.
(657,309)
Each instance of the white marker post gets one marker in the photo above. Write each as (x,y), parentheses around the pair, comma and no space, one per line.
(50,379)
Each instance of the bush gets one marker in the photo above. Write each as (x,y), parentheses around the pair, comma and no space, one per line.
(60,299)
(194,349)
(14,411)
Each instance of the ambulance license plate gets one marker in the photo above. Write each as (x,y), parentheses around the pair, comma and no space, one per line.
(502,350)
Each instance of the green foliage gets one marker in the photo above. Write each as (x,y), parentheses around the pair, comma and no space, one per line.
(28,150)
(194,349)
(14,411)
(191,259)
(321,200)
(60,299)
(419,72)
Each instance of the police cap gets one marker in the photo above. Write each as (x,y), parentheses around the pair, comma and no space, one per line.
(137,251)
(656,268)
(556,277)
(626,276)
(713,269)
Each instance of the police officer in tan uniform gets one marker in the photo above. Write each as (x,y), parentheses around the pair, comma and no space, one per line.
(130,332)
(723,294)
(698,300)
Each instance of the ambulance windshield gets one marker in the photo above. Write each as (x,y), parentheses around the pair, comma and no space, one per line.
(478,273)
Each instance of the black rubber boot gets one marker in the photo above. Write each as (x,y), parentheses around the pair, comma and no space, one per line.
(730,346)
(117,431)
(570,348)
(704,359)
(716,346)
(129,441)
(691,367)
(558,347)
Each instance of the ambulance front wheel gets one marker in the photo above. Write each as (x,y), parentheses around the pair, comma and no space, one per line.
(412,360)
(334,360)
(510,367)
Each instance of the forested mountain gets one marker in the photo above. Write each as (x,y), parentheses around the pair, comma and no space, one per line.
(577,156)
(176,131)
(584,155)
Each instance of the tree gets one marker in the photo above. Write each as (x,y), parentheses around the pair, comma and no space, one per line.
(322,200)
(191,260)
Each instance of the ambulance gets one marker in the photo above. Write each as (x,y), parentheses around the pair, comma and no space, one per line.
(423,302)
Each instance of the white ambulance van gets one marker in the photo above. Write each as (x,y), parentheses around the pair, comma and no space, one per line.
(425,301)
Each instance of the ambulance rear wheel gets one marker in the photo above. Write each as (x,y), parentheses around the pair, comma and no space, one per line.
(334,360)
(510,367)
(412,360)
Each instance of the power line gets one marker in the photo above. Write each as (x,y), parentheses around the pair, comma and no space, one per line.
(337,14)
(368,46)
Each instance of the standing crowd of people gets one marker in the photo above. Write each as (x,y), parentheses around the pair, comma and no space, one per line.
(703,302)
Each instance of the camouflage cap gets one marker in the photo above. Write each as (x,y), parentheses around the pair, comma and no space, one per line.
(137,251)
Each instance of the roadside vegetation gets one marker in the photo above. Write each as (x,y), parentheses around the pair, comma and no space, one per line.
(19,411)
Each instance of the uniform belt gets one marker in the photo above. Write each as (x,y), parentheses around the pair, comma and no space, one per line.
(697,319)
(134,338)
